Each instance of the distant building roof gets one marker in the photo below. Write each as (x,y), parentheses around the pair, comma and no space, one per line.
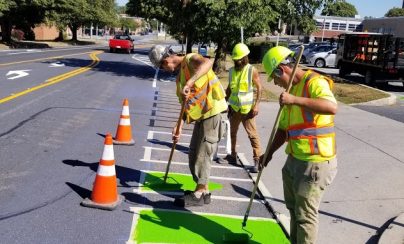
(338,18)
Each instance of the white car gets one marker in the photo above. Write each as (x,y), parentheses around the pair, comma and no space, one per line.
(323,59)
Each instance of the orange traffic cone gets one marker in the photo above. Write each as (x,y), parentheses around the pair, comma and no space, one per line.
(105,193)
(124,131)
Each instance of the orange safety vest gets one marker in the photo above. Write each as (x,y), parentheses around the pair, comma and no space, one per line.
(310,134)
(201,95)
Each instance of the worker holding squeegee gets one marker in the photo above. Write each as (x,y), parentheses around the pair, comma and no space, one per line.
(307,124)
(203,100)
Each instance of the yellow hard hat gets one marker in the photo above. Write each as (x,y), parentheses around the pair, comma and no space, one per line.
(274,57)
(240,50)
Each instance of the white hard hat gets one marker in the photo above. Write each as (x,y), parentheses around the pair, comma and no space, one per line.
(157,53)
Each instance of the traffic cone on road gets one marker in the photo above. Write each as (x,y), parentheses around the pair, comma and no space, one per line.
(124,131)
(105,192)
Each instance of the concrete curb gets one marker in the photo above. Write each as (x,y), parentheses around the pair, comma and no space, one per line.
(282,219)
(392,99)
(394,233)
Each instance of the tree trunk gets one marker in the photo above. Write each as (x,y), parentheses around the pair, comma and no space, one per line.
(219,64)
(60,37)
(6,30)
(74,28)
(190,42)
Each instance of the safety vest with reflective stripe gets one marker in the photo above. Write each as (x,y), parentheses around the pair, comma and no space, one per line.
(311,136)
(241,86)
(207,97)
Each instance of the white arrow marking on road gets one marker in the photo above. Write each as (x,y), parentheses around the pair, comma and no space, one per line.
(17,73)
(57,64)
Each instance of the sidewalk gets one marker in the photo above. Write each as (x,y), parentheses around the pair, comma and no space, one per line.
(368,191)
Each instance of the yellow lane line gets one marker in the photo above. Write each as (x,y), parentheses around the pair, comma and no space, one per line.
(39,59)
(56,79)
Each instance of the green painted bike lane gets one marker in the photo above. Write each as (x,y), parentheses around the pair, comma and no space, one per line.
(177,226)
(168,226)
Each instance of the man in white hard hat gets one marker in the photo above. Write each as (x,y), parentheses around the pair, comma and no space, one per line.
(204,98)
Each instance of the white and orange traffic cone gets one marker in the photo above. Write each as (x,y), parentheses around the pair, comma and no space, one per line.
(105,192)
(124,131)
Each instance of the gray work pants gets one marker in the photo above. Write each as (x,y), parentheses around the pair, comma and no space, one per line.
(303,186)
(205,138)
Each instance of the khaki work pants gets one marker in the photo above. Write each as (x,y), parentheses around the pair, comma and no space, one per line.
(303,186)
(204,140)
(249,125)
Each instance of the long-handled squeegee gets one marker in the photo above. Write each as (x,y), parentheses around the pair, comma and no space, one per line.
(174,143)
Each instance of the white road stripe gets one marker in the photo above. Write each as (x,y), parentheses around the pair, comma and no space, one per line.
(166,133)
(180,193)
(186,164)
(211,177)
(169,149)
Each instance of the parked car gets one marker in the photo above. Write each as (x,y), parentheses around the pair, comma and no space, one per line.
(310,51)
(323,59)
(121,42)
(203,50)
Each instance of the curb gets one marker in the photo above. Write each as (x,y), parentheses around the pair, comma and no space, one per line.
(392,99)
(394,233)
(282,219)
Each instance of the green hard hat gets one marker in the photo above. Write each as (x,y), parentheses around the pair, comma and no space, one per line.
(274,57)
(240,50)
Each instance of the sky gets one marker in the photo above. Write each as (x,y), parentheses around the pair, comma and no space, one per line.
(374,8)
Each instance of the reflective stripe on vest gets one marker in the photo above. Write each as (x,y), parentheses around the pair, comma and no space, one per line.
(320,137)
(242,92)
(199,101)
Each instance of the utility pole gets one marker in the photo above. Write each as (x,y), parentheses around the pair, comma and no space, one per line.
(242,34)
(322,36)
(279,29)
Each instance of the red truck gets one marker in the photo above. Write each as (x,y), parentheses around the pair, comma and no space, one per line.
(123,42)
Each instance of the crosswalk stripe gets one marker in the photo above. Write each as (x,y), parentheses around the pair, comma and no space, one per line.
(186,164)
(216,197)
(183,151)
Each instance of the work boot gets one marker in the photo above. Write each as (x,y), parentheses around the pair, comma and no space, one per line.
(232,158)
(254,169)
(190,200)
(206,196)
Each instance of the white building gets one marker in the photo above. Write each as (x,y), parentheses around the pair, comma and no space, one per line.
(329,27)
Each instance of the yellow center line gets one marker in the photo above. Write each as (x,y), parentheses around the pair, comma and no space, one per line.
(40,59)
(57,79)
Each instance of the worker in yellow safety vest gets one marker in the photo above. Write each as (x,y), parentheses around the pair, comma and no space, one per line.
(307,124)
(204,98)
(243,79)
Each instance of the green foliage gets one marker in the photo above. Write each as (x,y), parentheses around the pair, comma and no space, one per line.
(395,12)
(128,23)
(303,12)
(340,8)
(22,14)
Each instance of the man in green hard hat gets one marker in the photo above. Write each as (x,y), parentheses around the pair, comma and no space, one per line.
(244,104)
(307,124)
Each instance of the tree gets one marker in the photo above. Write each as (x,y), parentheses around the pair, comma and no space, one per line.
(21,14)
(205,21)
(339,8)
(395,12)
(76,13)
(128,24)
